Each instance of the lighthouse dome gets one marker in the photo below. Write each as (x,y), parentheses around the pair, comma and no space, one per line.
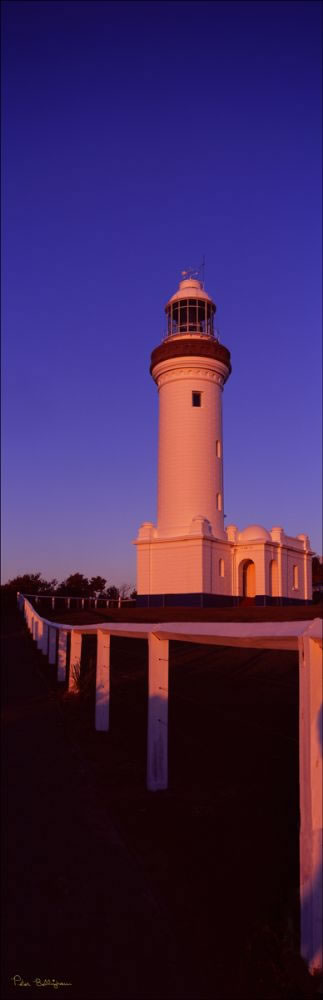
(254,533)
(192,288)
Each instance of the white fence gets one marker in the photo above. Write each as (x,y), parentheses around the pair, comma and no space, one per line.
(93,602)
(302,636)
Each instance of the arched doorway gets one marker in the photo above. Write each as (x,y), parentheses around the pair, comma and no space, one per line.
(248,578)
(273,578)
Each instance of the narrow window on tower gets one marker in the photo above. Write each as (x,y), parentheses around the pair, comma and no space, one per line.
(196,399)
(295,577)
(221,567)
(218,449)
(219,501)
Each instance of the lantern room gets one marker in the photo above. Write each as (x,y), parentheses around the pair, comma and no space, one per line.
(190,311)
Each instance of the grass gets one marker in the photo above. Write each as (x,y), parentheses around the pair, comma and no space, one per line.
(243,614)
(220,847)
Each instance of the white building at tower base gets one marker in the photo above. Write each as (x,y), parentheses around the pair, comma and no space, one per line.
(199,570)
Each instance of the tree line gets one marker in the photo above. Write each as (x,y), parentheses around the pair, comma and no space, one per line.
(79,585)
(75,585)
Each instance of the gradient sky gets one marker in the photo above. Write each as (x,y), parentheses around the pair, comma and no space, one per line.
(138,137)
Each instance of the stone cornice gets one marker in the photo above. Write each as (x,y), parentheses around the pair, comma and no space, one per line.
(265,543)
(180,372)
(181,538)
(190,347)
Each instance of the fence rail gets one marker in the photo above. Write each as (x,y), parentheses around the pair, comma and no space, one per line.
(93,602)
(305,637)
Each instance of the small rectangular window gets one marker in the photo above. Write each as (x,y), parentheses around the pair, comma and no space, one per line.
(196,399)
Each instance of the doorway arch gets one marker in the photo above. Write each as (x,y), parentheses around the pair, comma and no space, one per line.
(247,578)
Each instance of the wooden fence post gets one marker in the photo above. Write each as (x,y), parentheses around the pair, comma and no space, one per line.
(44,645)
(157,748)
(39,633)
(310,776)
(52,645)
(75,659)
(102,699)
(61,655)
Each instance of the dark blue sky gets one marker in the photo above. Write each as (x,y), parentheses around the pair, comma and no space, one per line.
(138,137)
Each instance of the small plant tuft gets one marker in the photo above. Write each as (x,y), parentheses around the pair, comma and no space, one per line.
(83,679)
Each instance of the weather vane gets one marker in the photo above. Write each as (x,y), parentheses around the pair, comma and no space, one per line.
(190,272)
(194,272)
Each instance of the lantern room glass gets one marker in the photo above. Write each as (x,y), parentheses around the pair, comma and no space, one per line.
(190,316)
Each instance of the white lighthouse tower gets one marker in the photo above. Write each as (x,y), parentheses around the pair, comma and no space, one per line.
(188,557)
(190,367)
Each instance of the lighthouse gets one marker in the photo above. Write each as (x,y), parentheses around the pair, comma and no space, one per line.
(190,368)
(189,558)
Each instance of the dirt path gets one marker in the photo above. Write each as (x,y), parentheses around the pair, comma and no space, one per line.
(77,907)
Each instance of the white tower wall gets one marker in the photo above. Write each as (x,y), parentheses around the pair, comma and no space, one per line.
(190,448)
